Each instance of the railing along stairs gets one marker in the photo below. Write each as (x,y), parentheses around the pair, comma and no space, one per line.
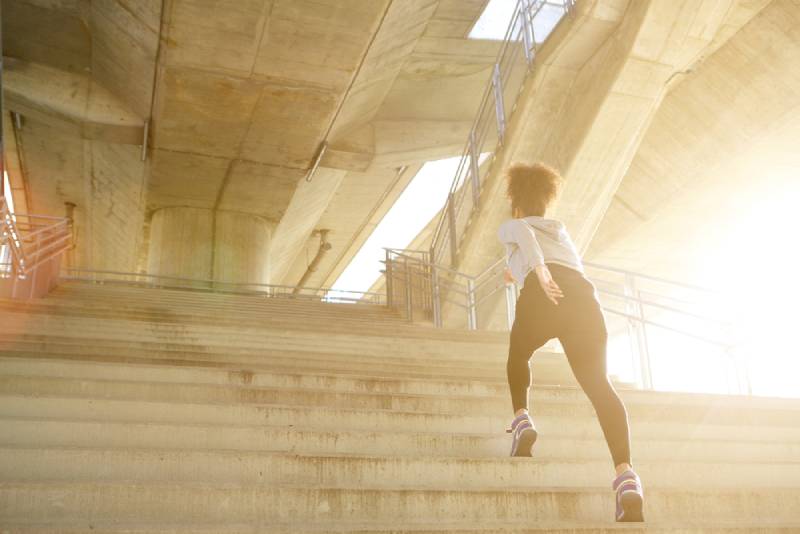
(530,24)
(651,314)
(31,249)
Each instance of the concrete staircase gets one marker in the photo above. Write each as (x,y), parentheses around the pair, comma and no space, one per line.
(126,409)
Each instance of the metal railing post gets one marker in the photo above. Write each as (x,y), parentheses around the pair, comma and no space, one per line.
(388,273)
(436,297)
(474,170)
(409,307)
(511,304)
(636,331)
(472,312)
(451,222)
(528,41)
(499,106)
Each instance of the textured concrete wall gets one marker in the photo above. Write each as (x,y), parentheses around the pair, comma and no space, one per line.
(204,244)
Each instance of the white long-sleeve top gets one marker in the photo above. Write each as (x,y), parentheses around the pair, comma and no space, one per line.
(533,241)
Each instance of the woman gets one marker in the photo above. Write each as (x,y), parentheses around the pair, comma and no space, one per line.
(558,301)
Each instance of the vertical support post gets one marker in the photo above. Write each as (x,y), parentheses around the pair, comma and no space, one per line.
(451,222)
(409,292)
(436,297)
(570,5)
(388,275)
(472,312)
(499,105)
(637,333)
(528,42)
(511,303)
(476,177)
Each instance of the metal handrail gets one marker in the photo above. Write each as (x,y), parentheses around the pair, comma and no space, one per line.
(421,281)
(649,277)
(107,276)
(468,173)
(660,306)
(35,246)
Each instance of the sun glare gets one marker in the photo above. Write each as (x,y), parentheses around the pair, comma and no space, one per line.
(757,269)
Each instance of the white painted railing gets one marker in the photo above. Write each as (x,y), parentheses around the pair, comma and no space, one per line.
(31,250)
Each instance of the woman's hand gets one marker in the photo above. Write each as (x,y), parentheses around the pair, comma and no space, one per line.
(549,286)
(508,277)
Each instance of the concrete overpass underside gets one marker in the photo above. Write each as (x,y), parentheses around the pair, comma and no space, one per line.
(184,131)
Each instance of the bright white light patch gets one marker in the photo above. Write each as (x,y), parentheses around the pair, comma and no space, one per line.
(7,192)
(4,251)
(421,200)
(493,22)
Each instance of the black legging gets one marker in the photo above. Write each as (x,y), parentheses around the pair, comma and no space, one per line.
(578,323)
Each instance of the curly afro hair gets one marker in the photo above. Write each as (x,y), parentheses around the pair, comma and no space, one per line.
(532,187)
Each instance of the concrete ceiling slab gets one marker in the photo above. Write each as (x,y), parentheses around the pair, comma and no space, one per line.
(219,35)
(287,126)
(317,43)
(455,18)
(125,37)
(180,179)
(259,189)
(50,33)
(203,113)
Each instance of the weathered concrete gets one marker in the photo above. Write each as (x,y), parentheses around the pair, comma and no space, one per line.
(377,419)
(588,107)
(716,140)
(210,245)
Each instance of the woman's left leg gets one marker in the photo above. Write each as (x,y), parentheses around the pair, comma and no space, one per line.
(587,358)
(584,340)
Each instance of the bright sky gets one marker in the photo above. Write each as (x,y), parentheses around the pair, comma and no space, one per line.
(7,192)
(10,202)
(421,200)
(495,19)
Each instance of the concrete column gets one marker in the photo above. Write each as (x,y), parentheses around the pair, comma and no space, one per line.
(204,244)
(241,248)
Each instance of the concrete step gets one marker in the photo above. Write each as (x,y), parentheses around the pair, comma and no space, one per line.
(181,345)
(379,319)
(353,383)
(76,433)
(530,526)
(36,365)
(258,315)
(549,371)
(551,402)
(132,502)
(347,340)
(372,472)
(332,418)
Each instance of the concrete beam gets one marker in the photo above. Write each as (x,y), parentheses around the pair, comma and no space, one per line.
(309,201)
(402,27)
(741,105)
(600,79)
(69,102)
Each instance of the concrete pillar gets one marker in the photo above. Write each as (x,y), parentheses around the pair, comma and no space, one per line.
(205,244)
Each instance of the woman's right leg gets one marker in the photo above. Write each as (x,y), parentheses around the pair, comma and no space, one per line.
(527,335)
(520,350)
(532,328)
